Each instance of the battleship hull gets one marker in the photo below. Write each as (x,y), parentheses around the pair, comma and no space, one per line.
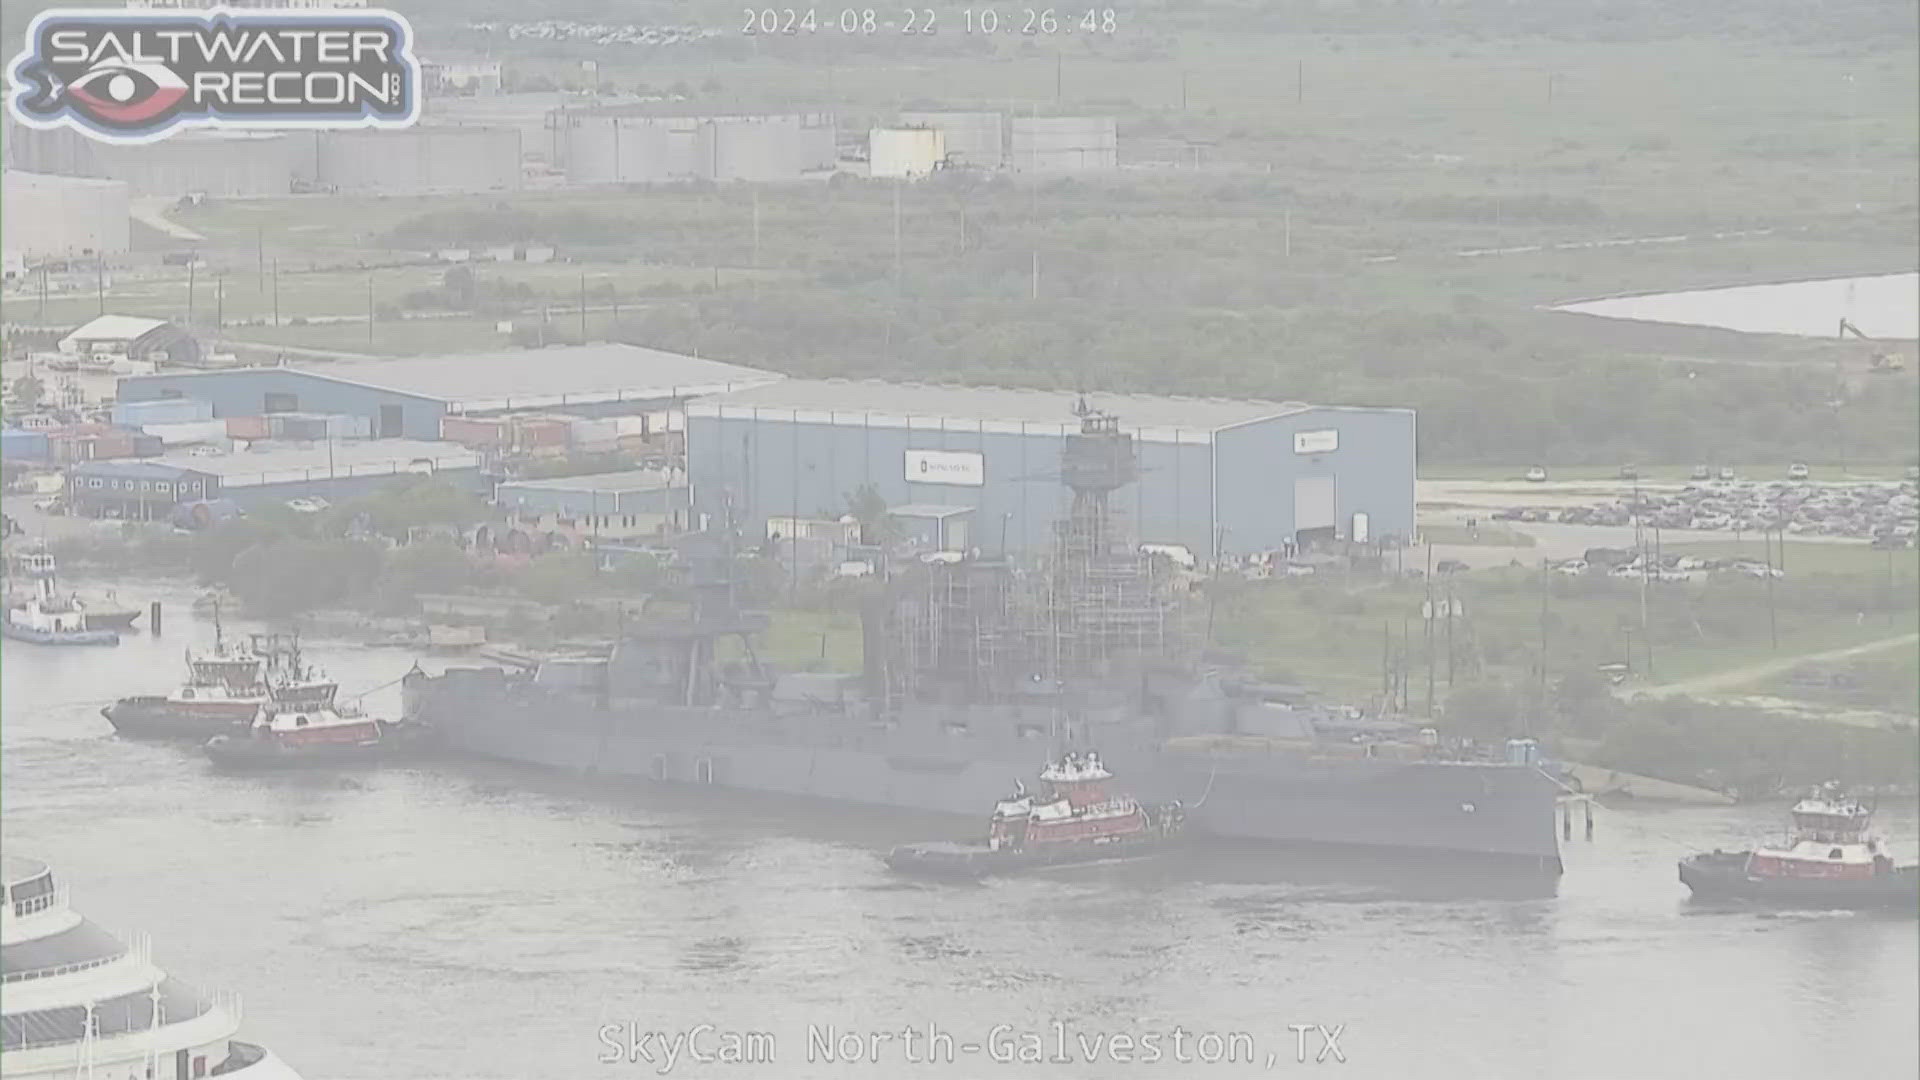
(1492,811)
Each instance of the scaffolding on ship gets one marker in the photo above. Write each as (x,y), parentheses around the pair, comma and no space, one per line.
(1093,608)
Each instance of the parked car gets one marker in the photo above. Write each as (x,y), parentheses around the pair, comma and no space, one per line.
(1797,471)
(1572,567)
(1726,474)
(1536,474)
(1700,472)
(1629,472)
(1449,566)
(307,505)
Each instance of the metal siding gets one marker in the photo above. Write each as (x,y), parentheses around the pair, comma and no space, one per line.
(1373,472)
(243,393)
(772,467)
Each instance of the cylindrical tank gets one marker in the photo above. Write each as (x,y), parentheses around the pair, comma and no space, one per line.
(54,216)
(904,152)
(1064,143)
(975,139)
(421,159)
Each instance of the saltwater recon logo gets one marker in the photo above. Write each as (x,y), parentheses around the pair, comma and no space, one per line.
(137,78)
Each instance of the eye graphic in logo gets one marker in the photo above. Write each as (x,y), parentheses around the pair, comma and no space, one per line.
(126,93)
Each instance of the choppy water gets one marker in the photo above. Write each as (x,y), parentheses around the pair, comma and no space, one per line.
(1883,306)
(473,922)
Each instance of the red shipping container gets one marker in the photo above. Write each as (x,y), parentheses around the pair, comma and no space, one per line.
(247,427)
(474,432)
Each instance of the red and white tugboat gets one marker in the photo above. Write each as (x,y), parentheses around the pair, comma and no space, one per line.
(1077,817)
(224,692)
(1830,858)
(303,725)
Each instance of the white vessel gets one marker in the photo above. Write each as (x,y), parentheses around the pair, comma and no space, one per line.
(81,1004)
(47,618)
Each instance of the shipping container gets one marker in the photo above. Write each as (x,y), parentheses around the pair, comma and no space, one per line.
(190,432)
(535,432)
(474,432)
(139,414)
(247,427)
(18,445)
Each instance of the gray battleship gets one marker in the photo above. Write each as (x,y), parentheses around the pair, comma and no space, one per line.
(977,672)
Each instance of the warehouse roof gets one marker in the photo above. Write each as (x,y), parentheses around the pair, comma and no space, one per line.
(625,480)
(852,398)
(537,378)
(294,462)
(110,328)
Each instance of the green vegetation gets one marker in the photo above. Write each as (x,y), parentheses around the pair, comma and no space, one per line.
(1364,640)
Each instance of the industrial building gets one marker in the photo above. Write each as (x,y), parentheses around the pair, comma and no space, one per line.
(58,217)
(612,506)
(268,475)
(443,75)
(979,467)
(135,337)
(419,160)
(1062,144)
(631,146)
(408,397)
(970,139)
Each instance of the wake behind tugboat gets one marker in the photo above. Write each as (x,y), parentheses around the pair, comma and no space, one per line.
(1076,819)
(1831,858)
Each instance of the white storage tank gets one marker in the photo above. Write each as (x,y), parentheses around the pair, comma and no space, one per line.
(1064,143)
(976,139)
(421,159)
(56,216)
(904,152)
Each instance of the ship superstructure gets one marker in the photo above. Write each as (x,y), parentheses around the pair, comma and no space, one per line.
(977,669)
(82,1003)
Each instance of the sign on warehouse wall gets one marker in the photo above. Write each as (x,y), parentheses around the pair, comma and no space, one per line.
(1316,442)
(946,467)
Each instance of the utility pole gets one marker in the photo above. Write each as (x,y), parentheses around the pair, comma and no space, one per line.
(1036,273)
(1773,625)
(100,281)
(1427,621)
(190,295)
(896,237)
(220,302)
(1451,604)
(1059,64)
(369,314)
(583,307)
(1299,81)
(276,293)
(1526,719)
(1183,91)
(1286,236)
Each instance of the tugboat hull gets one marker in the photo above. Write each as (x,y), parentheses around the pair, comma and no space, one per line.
(161,718)
(18,632)
(241,753)
(1723,875)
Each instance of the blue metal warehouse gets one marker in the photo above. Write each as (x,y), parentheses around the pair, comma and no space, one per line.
(405,397)
(1219,477)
